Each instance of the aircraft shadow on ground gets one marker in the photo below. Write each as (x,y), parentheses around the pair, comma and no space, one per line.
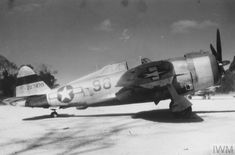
(48,117)
(69,115)
(165,115)
(159,115)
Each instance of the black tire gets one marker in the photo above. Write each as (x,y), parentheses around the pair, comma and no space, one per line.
(187,113)
(54,114)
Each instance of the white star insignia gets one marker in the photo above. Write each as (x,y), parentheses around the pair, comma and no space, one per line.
(65,94)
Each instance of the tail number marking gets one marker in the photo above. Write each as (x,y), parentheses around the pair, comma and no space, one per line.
(35,85)
(105,84)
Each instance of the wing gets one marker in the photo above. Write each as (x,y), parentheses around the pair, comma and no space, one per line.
(152,81)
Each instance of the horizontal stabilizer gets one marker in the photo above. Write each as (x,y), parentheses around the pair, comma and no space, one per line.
(15,101)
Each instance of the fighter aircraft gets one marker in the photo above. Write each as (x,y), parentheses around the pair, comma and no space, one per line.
(117,84)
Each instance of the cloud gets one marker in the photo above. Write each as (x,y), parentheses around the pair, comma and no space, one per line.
(24,7)
(185,26)
(105,25)
(125,35)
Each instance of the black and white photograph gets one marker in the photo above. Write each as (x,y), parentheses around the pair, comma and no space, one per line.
(117,77)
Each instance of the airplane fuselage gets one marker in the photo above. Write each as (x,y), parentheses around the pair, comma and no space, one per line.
(116,84)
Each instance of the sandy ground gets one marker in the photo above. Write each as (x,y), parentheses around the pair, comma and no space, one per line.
(119,130)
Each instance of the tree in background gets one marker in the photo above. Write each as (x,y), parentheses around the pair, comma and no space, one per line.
(8,72)
(6,65)
(8,84)
(228,81)
(47,75)
(8,76)
(232,66)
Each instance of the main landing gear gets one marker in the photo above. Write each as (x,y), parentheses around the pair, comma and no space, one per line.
(179,106)
(54,114)
(186,113)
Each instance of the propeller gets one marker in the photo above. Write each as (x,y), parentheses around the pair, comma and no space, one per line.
(218,53)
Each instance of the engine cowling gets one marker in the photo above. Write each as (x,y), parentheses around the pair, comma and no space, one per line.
(203,68)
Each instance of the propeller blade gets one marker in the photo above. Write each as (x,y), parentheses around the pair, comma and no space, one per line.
(213,51)
(218,54)
(218,46)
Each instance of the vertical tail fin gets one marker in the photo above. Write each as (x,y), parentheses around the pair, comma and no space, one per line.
(29,83)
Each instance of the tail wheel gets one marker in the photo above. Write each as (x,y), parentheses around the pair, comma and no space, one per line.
(54,114)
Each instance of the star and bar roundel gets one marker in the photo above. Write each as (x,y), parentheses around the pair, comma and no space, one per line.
(65,94)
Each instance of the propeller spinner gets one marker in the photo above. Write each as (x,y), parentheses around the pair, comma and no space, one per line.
(218,53)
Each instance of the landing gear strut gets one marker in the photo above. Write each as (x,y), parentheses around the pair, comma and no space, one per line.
(54,113)
(179,106)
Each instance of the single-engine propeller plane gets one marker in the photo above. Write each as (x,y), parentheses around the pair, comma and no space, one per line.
(116,84)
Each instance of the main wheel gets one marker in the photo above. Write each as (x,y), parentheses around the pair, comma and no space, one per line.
(187,113)
(54,114)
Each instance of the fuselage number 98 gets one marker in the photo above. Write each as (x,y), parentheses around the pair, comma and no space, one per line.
(105,84)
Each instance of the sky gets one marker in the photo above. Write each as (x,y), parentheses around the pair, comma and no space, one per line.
(75,37)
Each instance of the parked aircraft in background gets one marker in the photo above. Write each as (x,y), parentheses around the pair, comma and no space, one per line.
(117,84)
(205,93)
